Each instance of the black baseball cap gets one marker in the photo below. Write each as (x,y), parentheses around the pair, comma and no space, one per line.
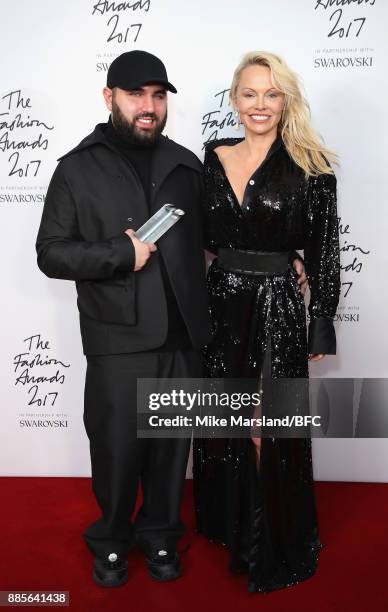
(133,69)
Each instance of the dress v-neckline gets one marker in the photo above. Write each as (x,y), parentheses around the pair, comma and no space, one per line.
(242,206)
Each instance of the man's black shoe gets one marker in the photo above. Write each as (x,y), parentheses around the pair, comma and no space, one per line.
(110,571)
(163,565)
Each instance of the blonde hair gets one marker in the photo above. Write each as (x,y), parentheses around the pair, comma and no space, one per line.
(303,144)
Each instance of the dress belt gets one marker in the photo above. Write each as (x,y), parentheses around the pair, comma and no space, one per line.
(253,262)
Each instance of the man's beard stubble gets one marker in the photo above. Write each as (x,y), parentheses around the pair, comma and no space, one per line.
(133,135)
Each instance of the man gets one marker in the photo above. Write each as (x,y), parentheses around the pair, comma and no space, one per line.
(143,311)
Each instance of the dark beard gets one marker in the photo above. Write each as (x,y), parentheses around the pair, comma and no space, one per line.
(131,134)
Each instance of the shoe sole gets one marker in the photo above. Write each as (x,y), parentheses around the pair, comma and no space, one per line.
(159,579)
(176,572)
(107,583)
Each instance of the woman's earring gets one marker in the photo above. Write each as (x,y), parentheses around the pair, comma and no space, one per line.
(237,121)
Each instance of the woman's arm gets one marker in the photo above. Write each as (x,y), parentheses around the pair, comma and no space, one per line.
(322,262)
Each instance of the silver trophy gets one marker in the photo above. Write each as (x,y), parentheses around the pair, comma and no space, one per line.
(159,223)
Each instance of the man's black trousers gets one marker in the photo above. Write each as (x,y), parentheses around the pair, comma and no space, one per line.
(120,461)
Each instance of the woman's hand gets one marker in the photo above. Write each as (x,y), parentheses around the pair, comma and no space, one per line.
(316,357)
(298,266)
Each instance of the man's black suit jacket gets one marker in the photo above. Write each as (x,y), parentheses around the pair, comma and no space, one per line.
(93,197)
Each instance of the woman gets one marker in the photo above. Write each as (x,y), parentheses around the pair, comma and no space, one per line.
(266,195)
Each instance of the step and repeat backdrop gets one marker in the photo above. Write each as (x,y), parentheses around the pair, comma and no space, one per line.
(55,56)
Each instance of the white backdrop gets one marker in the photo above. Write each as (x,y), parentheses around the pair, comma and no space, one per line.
(55,57)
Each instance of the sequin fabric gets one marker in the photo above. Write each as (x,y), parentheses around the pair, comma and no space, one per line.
(264,512)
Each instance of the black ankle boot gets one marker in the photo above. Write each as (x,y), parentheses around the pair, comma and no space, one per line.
(110,571)
(163,565)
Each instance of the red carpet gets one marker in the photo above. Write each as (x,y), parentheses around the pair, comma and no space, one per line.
(41,549)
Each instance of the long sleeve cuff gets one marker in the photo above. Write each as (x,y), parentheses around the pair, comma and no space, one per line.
(127,253)
(322,336)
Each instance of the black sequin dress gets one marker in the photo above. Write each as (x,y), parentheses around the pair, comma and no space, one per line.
(265,512)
